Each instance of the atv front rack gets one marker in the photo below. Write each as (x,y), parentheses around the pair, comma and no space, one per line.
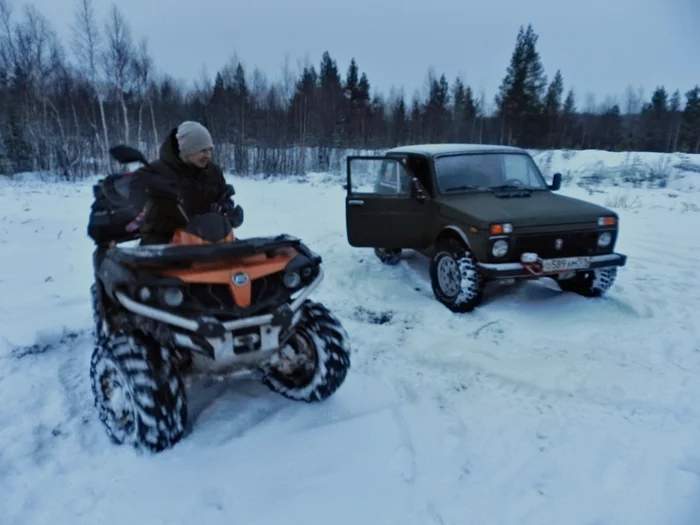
(166,255)
(211,327)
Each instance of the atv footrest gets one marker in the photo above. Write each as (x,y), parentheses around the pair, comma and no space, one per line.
(155,256)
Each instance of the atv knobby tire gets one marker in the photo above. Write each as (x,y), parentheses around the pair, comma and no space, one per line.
(138,392)
(324,348)
(455,277)
(98,326)
(590,283)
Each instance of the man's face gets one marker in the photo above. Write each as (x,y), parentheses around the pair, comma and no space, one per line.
(200,159)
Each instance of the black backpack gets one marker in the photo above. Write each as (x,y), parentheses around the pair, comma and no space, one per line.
(116,213)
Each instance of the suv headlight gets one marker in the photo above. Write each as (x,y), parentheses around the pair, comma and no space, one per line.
(499,248)
(604,239)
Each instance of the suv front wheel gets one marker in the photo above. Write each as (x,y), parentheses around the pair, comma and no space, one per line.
(455,277)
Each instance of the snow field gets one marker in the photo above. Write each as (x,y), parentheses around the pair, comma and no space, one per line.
(538,408)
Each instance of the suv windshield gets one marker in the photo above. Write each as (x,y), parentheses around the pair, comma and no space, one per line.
(480,171)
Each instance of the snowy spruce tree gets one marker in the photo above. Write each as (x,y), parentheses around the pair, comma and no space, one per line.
(520,96)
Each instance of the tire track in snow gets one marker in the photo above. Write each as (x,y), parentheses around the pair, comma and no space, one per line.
(648,306)
(404,458)
(431,370)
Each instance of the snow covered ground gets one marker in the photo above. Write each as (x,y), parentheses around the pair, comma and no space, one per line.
(538,408)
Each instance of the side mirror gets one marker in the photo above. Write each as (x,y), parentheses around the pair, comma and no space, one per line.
(416,191)
(126,155)
(556,182)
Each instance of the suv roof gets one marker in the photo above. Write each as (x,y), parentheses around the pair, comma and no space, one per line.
(431,150)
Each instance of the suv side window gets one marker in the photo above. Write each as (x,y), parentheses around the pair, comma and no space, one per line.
(420,167)
(393,179)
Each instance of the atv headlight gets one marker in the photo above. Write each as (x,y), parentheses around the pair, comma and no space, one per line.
(291,279)
(499,248)
(145,293)
(604,239)
(172,297)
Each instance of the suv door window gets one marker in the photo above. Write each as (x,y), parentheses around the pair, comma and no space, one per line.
(393,179)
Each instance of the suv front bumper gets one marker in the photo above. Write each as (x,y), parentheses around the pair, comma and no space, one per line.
(524,269)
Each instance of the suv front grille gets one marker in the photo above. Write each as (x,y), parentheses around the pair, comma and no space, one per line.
(545,245)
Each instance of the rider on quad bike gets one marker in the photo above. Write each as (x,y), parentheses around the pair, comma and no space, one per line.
(184,172)
(201,302)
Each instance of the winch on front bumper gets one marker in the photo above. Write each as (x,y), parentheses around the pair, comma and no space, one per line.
(531,265)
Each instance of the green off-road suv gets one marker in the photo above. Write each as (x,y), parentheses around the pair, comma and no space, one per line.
(480,212)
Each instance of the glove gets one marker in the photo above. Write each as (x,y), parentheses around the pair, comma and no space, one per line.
(235,216)
(233,212)
(162,188)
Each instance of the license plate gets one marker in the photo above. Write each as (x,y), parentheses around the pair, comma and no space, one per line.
(565,263)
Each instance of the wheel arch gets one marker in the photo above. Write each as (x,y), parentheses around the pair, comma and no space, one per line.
(453,232)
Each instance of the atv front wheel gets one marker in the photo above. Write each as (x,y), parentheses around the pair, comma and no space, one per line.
(590,283)
(315,361)
(138,392)
(455,278)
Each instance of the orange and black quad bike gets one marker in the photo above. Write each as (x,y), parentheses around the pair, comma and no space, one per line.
(205,303)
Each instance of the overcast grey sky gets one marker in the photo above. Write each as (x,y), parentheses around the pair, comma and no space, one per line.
(601,46)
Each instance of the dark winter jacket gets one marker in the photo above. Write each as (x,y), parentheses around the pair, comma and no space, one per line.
(199,189)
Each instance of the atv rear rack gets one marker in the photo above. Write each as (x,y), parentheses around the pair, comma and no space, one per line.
(210,326)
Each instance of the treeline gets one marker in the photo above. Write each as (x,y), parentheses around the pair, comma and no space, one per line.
(62,105)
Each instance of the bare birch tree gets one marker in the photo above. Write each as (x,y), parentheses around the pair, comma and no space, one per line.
(118,59)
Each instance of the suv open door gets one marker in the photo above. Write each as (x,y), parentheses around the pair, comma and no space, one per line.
(385,205)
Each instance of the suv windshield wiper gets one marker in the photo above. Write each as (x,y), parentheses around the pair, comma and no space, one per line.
(510,187)
(463,187)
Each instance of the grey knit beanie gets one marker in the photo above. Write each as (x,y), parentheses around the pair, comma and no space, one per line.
(192,137)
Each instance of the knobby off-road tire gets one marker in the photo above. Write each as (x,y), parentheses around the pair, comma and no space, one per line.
(591,283)
(322,347)
(98,330)
(455,277)
(389,256)
(138,392)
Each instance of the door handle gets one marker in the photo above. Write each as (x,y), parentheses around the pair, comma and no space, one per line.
(356,202)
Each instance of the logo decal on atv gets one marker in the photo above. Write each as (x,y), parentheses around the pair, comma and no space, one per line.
(240,279)
(558,244)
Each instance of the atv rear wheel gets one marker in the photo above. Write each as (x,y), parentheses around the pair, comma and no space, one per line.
(98,325)
(315,361)
(138,392)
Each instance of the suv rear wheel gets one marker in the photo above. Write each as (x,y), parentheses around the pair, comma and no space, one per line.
(390,256)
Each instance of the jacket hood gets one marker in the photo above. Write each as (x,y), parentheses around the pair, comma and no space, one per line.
(170,151)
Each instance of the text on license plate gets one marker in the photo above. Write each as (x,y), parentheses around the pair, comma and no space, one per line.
(566,263)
